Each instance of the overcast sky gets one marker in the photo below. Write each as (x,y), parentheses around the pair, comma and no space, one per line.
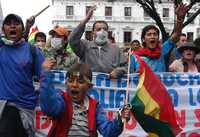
(27,8)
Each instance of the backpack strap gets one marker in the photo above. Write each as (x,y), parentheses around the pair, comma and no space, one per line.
(33,55)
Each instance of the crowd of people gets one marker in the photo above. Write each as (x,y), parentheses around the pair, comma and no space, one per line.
(73,112)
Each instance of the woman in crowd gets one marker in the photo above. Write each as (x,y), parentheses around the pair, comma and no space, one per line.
(187,63)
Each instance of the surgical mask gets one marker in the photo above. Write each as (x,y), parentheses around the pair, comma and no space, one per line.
(40,44)
(101,37)
(56,43)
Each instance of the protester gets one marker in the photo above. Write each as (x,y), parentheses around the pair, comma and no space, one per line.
(74,112)
(17,97)
(174,53)
(197,44)
(187,63)
(135,45)
(59,48)
(153,53)
(99,54)
(40,40)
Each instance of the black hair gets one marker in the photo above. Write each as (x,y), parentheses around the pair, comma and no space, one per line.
(135,41)
(197,42)
(40,34)
(82,68)
(99,21)
(10,17)
(147,28)
(183,34)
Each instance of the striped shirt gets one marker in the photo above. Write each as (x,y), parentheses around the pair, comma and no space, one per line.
(79,126)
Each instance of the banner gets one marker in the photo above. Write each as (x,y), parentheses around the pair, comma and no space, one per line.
(184,89)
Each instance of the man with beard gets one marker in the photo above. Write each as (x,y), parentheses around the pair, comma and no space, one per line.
(17,95)
(99,54)
(153,53)
(74,112)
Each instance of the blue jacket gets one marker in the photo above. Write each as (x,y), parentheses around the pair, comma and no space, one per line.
(53,104)
(157,65)
(16,84)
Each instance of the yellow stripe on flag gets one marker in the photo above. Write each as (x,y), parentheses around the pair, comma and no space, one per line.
(151,107)
(152,135)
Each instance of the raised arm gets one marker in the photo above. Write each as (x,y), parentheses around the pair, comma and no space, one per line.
(51,100)
(180,12)
(75,37)
(29,23)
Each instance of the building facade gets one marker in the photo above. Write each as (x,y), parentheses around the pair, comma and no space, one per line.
(125,18)
(1,16)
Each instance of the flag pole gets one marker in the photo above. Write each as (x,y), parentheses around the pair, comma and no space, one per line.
(127,83)
(128,76)
(41,11)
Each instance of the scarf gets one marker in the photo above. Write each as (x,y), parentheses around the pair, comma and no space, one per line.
(146,52)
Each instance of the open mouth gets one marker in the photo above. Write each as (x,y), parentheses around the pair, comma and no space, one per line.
(12,33)
(74,93)
(152,41)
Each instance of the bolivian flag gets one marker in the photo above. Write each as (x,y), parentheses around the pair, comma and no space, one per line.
(152,105)
(31,36)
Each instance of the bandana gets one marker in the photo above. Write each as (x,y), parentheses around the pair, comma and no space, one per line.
(153,54)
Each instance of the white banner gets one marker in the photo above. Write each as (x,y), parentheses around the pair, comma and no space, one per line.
(184,88)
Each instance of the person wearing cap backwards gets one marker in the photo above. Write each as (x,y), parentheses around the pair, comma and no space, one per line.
(99,54)
(74,112)
(17,95)
(57,47)
(187,63)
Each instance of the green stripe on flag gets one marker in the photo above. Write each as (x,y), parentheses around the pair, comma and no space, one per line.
(150,124)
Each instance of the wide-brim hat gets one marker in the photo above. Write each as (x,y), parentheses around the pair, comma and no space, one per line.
(189,45)
(14,17)
(62,31)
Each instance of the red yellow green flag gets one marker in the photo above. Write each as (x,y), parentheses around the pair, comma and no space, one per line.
(152,105)
(31,36)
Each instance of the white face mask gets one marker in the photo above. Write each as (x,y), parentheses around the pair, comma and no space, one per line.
(56,43)
(101,37)
(40,44)
(7,42)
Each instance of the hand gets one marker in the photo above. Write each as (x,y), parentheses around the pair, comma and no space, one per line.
(113,75)
(48,64)
(30,22)
(89,14)
(125,112)
(181,11)
(48,43)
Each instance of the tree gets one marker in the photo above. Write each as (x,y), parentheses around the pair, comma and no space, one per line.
(149,8)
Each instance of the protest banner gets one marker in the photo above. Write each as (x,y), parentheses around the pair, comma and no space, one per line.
(184,89)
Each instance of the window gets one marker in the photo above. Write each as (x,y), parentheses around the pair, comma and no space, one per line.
(165,12)
(127,11)
(190,36)
(69,10)
(127,37)
(108,11)
(88,35)
(87,9)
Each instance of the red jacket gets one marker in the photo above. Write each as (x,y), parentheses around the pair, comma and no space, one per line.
(61,125)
